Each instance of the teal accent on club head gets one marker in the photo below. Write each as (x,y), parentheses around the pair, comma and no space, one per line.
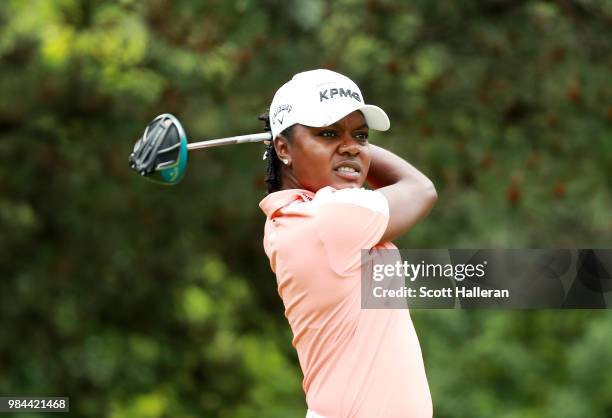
(173,175)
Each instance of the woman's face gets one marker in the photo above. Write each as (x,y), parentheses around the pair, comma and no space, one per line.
(337,155)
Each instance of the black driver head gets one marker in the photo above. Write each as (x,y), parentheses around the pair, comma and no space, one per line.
(160,154)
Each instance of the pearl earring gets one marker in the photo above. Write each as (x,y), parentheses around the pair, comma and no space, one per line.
(285,161)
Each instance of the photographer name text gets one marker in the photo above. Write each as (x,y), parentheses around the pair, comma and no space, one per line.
(445,292)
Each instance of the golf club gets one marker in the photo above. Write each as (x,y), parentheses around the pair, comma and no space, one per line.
(160,154)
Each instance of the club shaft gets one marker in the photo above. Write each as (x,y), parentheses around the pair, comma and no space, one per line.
(266,136)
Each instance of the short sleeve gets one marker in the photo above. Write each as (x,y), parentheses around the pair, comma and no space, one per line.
(347,221)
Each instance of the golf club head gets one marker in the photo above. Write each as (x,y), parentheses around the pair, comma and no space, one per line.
(160,154)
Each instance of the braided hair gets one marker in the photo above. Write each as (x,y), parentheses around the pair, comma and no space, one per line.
(273,168)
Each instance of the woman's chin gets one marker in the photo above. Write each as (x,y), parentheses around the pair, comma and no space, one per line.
(343,182)
(336,182)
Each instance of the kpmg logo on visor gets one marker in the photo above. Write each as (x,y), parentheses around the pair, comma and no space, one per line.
(328,94)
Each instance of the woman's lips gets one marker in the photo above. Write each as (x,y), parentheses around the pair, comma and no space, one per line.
(348,170)
(348,176)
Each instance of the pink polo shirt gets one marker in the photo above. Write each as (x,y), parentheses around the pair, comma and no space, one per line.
(358,363)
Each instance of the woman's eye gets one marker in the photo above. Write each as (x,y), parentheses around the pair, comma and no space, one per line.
(362,136)
(328,134)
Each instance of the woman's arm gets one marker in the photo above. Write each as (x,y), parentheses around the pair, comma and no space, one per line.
(410,194)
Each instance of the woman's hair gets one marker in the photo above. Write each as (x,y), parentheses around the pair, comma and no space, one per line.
(273,171)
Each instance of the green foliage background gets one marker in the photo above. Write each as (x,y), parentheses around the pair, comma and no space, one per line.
(137,300)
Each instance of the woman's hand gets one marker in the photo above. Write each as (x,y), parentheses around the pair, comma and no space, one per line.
(410,194)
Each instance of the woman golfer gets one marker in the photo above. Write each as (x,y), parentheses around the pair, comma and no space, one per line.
(357,363)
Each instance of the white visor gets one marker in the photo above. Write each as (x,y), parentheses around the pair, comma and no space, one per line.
(320,98)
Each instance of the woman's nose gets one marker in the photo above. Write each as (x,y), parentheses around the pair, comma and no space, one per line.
(349,145)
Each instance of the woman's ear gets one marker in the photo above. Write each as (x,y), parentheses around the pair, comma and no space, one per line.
(281,145)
